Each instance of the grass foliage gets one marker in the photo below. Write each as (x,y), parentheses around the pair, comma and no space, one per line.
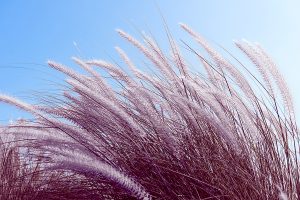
(171,134)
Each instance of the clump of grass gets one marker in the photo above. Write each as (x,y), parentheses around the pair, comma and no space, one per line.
(174,134)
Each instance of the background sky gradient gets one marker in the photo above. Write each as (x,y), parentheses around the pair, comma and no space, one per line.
(34,31)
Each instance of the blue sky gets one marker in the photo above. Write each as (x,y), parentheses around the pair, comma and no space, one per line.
(33,31)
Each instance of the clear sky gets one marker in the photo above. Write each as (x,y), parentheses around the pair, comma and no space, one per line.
(33,31)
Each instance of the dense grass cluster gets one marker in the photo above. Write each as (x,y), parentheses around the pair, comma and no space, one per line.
(171,134)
